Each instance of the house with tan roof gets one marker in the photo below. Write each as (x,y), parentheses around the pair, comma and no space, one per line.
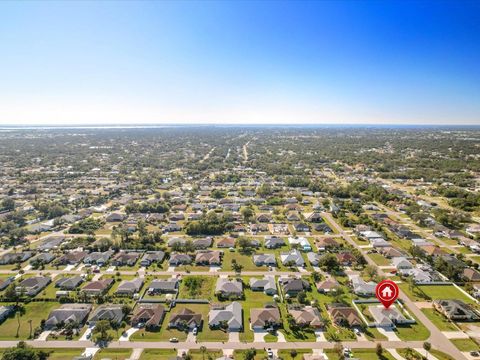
(307,316)
(263,318)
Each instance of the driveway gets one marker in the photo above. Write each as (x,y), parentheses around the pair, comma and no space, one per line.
(280,337)
(320,335)
(215,268)
(233,337)
(136,353)
(258,335)
(128,333)
(191,337)
(43,336)
(86,333)
(90,352)
(389,333)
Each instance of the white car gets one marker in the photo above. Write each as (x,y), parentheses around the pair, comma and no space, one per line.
(195,331)
(270,353)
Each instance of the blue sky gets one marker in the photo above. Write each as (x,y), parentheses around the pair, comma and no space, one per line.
(410,62)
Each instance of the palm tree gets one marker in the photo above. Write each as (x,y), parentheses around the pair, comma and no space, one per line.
(203,350)
(20,312)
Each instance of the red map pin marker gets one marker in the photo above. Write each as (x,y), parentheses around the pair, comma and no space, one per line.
(386,292)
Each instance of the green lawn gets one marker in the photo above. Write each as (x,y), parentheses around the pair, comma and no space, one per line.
(61,354)
(374,334)
(404,353)
(110,353)
(412,332)
(436,292)
(379,259)
(439,320)
(416,294)
(205,291)
(465,344)
(198,355)
(287,354)
(239,355)
(270,338)
(245,260)
(440,355)
(370,354)
(158,354)
(34,311)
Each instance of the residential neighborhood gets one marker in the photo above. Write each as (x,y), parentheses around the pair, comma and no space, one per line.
(114,260)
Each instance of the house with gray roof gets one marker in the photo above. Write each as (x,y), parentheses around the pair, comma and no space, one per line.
(160,286)
(112,313)
(69,283)
(362,288)
(129,287)
(293,257)
(42,258)
(273,242)
(33,285)
(456,310)
(388,318)
(230,315)
(267,285)
(98,258)
(68,313)
(264,260)
(14,257)
(125,258)
(229,288)
(5,312)
(151,257)
(313,258)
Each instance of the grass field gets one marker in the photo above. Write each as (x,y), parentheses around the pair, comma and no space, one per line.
(244,260)
(440,355)
(34,311)
(63,353)
(412,332)
(370,354)
(110,353)
(439,320)
(436,292)
(158,354)
(205,291)
(379,259)
(198,355)
(466,344)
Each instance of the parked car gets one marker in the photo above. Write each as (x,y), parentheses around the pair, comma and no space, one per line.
(174,340)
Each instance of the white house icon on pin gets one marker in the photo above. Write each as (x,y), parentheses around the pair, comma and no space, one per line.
(387,292)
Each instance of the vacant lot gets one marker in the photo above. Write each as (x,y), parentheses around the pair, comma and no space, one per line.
(34,311)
